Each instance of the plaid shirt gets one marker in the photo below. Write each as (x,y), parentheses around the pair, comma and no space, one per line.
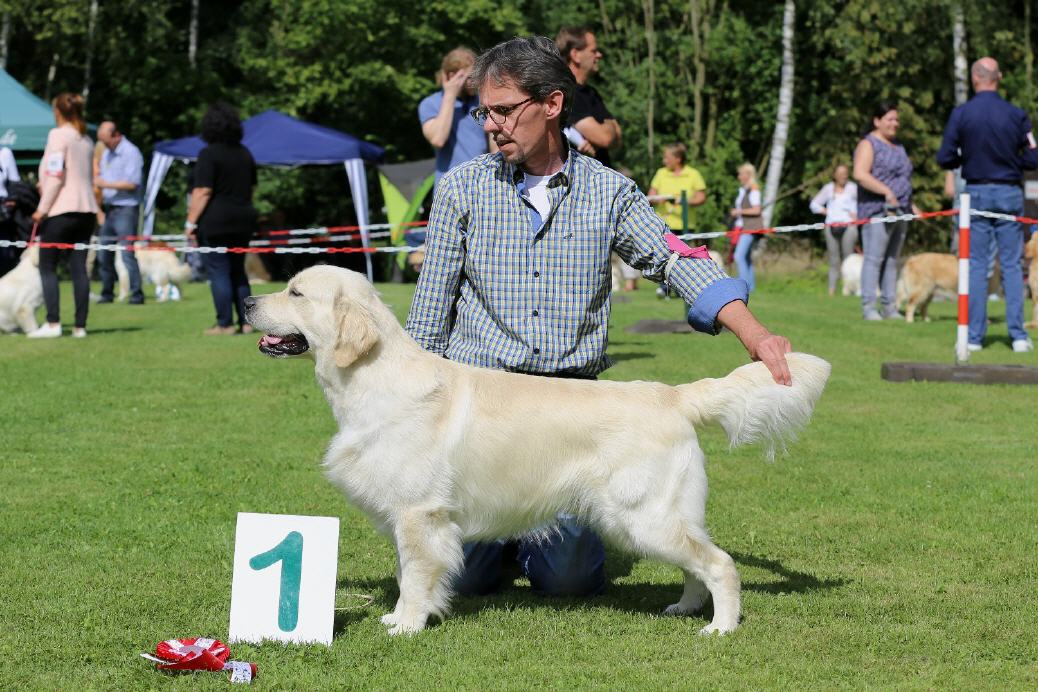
(502,289)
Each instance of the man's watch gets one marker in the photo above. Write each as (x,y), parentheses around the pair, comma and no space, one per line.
(190,226)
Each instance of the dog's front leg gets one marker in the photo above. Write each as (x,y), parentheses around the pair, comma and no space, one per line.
(429,551)
(25,315)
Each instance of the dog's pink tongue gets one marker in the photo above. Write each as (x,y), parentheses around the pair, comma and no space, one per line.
(268,340)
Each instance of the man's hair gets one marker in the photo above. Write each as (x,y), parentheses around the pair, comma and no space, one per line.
(678,150)
(533,64)
(982,73)
(221,124)
(458,59)
(572,38)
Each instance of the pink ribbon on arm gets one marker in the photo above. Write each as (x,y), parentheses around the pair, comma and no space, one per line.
(677,245)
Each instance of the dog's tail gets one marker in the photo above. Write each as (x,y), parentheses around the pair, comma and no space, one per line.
(751,407)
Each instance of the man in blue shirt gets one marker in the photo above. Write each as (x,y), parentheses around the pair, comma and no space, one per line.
(120,181)
(444,115)
(992,141)
(517,274)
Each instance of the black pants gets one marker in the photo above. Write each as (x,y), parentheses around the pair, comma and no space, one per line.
(74,227)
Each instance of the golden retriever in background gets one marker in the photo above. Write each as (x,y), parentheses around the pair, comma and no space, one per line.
(161,267)
(1031,253)
(920,278)
(438,453)
(21,292)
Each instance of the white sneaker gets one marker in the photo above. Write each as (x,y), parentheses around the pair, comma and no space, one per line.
(45,331)
(975,347)
(79,333)
(1022,346)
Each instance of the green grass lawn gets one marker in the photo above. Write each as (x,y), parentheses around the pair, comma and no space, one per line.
(894,546)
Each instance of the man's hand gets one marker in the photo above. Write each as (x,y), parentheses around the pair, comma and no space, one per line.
(762,345)
(38,216)
(586,148)
(453,84)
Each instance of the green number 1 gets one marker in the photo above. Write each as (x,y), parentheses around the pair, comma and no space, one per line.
(290,553)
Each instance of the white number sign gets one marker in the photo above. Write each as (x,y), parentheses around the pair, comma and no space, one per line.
(284,578)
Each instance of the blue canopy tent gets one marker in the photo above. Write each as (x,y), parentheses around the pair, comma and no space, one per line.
(276,139)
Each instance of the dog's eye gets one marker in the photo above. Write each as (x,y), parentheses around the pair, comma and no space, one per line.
(294,293)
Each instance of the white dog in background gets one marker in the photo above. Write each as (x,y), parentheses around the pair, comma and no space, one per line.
(160,267)
(21,293)
(437,453)
(850,274)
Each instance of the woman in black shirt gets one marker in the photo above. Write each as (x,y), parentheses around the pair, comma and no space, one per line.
(221,213)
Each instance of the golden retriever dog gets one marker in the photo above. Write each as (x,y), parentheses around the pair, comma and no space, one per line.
(1031,253)
(438,453)
(850,274)
(160,267)
(21,292)
(921,277)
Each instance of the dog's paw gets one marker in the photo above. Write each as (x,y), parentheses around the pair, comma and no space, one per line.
(412,627)
(389,619)
(678,610)
(716,628)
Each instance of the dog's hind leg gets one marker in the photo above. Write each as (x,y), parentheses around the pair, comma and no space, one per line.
(25,315)
(429,552)
(706,567)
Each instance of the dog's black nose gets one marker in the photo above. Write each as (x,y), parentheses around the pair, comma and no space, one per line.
(249,302)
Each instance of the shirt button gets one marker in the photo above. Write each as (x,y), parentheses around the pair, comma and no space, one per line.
(535,313)
(536,351)
(536,274)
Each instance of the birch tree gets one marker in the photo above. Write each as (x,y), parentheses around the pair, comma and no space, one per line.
(192,35)
(648,9)
(959,51)
(785,107)
(89,63)
(5,32)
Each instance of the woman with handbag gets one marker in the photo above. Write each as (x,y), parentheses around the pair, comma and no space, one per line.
(838,201)
(747,216)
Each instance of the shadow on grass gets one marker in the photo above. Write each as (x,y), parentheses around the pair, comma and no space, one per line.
(112,330)
(643,598)
(633,355)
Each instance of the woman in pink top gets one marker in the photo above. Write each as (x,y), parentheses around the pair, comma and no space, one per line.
(67,211)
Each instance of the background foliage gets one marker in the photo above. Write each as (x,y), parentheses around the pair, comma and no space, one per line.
(363,66)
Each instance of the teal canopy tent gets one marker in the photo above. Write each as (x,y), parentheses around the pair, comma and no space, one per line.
(25,119)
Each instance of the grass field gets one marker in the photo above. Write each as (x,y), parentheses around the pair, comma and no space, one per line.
(894,547)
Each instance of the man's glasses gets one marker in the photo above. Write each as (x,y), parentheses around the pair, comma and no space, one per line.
(496,113)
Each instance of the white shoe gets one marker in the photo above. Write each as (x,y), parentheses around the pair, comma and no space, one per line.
(45,331)
(975,347)
(79,333)
(1022,346)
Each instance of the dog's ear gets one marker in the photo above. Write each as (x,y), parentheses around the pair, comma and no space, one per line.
(357,332)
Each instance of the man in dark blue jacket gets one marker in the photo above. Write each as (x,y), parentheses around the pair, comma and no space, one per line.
(992,140)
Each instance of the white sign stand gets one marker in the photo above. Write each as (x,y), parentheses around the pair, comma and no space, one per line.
(283,587)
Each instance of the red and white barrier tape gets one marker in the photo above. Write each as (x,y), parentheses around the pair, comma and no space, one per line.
(280,247)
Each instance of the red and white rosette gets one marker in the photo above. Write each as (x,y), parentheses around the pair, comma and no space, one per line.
(200,653)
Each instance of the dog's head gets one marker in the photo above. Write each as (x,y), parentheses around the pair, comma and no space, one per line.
(323,311)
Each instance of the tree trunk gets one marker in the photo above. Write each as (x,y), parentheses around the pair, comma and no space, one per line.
(192,34)
(91,26)
(649,10)
(785,106)
(52,71)
(700,15)
(1028,52)
(5,31)
(959,52)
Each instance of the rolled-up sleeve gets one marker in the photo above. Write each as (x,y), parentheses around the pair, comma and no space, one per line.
(429,320)
(640,242)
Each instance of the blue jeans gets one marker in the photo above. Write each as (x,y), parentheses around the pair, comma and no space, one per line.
(743,261)
(229,285)
(1009,239)
(120,224)
(881,243)
(569,562)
